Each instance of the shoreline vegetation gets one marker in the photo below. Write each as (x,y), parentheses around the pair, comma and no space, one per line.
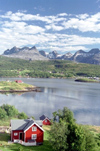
(13,87)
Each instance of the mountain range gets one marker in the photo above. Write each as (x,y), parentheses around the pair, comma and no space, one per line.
(91,57)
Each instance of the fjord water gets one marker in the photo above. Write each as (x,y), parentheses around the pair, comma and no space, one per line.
(82,98)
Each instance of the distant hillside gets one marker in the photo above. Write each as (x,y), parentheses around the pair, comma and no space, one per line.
(14,67)
(91,57)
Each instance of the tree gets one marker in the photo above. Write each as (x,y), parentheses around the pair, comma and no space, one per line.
(22,115)
(58,135)
(91,143)
(55,116)
(64,115)
(67,135)
(3,114)
(97,138)
(76,138)
(10,110)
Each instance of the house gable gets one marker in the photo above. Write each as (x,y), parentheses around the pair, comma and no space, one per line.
(34,132)
(43,117)
(46,121)
(28,127)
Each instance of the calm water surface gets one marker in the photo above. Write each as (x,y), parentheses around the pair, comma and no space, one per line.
(82,98)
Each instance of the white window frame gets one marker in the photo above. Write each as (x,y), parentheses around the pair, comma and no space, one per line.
(32,136)
(34,128)
(15,134)
(46,120)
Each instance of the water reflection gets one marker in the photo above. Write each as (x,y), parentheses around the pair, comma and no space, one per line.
(82,98)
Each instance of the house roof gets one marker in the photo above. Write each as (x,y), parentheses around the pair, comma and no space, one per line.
(31,122)
(39,122)
(44,117)
(24,124)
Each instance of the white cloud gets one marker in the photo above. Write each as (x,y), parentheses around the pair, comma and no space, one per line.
(54,27)
(12,16)
(82,22)
(82,16)
(20,28)
(21,16)
(62,14)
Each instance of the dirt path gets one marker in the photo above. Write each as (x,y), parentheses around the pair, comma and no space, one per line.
(4,129)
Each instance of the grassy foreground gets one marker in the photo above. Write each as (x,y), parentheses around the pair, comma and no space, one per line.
(5,146)
(13,86)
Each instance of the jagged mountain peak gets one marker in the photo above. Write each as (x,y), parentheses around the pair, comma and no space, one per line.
(68,53)
(54,51)
(80,51)
(14,47)
(25,48)
(94,50)
(53,54)
(33,48)
(11,51)
(43,53)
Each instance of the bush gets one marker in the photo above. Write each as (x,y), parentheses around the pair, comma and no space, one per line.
(22,115)
(10,110)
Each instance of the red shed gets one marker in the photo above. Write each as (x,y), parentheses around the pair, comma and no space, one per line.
(27,132)
(18,81)
(45,120)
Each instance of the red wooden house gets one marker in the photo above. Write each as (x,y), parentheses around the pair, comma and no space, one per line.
(45,120)
(27,132)
(18,81)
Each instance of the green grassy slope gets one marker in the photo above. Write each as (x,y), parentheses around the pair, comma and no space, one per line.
(10,67)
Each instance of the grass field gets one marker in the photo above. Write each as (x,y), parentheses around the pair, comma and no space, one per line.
(13,86)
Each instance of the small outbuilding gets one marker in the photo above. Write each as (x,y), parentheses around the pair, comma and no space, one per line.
(45,120)
(18,81)
(27,132)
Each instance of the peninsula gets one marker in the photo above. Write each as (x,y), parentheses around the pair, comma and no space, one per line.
(15,86)
(86,80)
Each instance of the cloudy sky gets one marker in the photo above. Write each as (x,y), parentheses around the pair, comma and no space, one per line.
(61,25)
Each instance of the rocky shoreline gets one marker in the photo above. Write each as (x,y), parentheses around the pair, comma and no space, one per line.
(21,91)
(17,87)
